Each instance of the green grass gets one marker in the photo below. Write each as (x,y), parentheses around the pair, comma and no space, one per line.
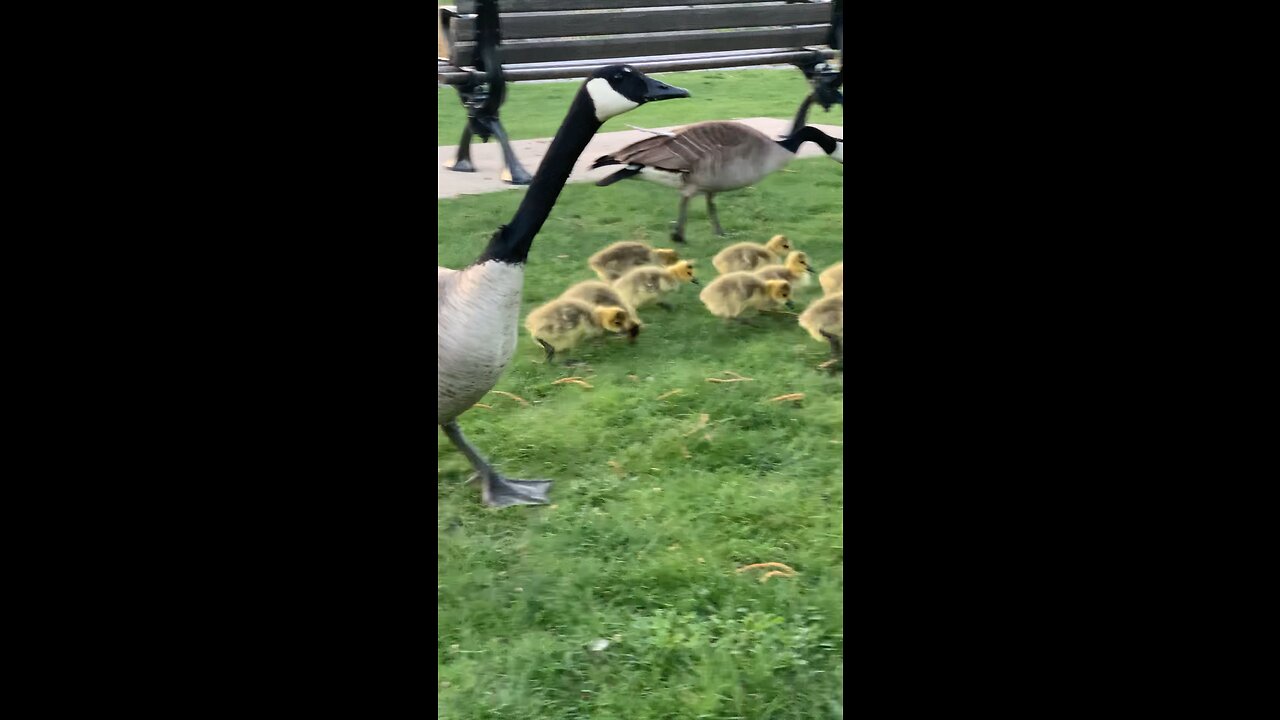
(535,110)
(652,513)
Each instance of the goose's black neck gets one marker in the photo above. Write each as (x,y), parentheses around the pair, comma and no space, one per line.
(511,242)
(809,133)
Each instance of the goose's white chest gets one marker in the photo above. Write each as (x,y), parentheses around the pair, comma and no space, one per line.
(477,324)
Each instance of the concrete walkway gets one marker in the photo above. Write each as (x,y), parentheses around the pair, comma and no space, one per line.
(487,157)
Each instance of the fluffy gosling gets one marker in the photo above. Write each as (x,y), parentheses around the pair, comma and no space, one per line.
(599,294)
(643,285)
(824,320)
(832,279)
(614,261)
(562,323)
(745,257)
(730,295)
(796,270)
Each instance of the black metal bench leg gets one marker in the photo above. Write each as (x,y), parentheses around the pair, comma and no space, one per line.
(463,162)
(515,173)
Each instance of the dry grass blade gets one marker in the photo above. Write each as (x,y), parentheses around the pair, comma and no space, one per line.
(617,467)
(788,568)
(733,374)
(517,398)
(669,393)
(482,405)
(788,396)
(702,422)
(778,573)
(574,380)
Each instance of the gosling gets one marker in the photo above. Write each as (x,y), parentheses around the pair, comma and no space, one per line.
(746,257)
(832,279)
(614,261)
(796,270)
(598,294)
(562,324)
(644,285)
(728,296)
(824,320)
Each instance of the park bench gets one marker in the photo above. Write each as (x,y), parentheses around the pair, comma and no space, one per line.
(483,44)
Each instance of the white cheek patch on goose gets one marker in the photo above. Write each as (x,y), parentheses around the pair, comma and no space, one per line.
(838,155)
(607,101)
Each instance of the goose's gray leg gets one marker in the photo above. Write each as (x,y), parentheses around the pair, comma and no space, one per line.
(497,490)
(711,213)
(463,161)
(678,234)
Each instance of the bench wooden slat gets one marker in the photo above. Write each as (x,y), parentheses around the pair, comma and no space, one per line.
(468,7)
(650,44)
(451,75)
(550,25)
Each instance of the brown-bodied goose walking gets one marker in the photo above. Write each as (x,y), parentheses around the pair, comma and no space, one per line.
(711,157)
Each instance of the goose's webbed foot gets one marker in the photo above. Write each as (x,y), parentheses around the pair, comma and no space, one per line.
(499,491)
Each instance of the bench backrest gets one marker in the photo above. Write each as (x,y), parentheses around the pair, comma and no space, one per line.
(540,31)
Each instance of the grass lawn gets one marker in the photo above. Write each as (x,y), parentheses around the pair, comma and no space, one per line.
(535,110)
(657,501)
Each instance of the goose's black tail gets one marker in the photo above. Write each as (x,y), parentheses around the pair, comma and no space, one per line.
(604,160)
(622,174)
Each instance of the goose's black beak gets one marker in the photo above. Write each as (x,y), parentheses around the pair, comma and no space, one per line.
(655,90)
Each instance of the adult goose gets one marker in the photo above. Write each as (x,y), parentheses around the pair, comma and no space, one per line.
(709,158)
(478,307)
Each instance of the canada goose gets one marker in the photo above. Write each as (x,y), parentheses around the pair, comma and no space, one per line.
(832,279)
(645,284)
(563,323)
(745,257)
(612,262)
(728,296)
(709,158)
(795,270)
(824,320)
(599,294)
(478,307)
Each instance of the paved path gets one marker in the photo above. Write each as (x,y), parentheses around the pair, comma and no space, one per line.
(487,157)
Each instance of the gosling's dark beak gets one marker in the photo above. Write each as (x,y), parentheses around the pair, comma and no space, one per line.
(655,90)
(791,305)
(812,271)
(694,281)
(635,330)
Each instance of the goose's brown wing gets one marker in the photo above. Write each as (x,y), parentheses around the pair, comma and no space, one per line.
(691,145)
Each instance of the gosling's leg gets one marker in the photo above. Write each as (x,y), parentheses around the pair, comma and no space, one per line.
(837,347)
(551,352)
(837,352)
(711,213)
(497,490)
